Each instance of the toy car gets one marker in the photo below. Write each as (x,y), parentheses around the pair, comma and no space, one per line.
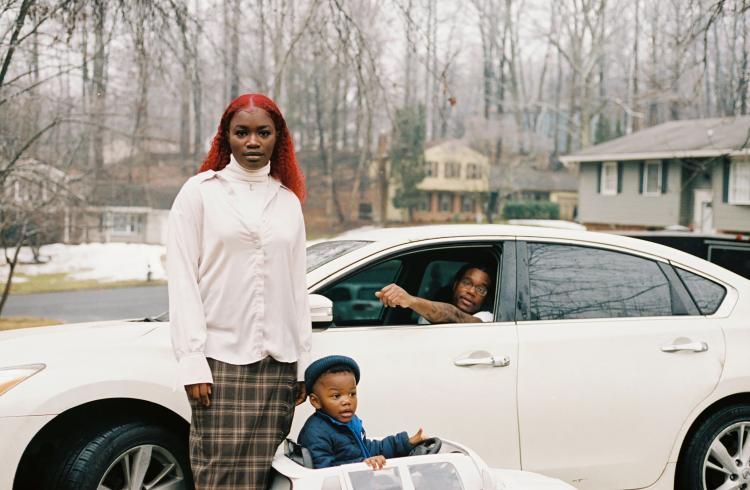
(433,465)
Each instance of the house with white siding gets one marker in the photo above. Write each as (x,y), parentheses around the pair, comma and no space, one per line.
(693,173)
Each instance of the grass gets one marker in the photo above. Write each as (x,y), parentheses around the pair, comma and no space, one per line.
(12,322)
(48,283)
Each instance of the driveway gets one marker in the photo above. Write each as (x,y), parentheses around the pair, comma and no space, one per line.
(91,305)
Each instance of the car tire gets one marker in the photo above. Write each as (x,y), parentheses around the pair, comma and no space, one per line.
(713,456)
(114,452)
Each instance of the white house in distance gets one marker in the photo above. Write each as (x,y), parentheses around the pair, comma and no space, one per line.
(694,173)
(456,181)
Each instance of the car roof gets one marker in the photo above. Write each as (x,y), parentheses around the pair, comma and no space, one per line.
(385,237)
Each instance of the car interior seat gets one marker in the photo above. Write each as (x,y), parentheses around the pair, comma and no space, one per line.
(298,454)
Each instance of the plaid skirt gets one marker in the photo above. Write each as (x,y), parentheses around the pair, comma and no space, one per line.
(233,441)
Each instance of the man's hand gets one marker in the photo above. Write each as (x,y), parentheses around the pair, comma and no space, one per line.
(301,393)
(393,296)
(417,438)
(200,391)
(375,462)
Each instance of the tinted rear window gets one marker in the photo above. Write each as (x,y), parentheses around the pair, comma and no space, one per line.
(572,282)
(707,294)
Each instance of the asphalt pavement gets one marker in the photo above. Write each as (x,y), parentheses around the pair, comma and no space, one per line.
(91,305)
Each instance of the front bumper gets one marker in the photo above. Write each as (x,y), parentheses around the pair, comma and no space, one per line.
(16,433)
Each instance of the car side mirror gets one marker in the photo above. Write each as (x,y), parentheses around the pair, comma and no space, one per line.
(321,311)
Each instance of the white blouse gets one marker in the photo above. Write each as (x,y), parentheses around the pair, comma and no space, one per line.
(237,273)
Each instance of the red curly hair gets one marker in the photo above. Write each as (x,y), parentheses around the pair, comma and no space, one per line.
(284,165)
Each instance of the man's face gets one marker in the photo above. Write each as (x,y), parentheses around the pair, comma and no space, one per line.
(470,291)
(252,137)
(336,395)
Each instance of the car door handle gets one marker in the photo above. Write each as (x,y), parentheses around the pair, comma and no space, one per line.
(691,346)
(486,361)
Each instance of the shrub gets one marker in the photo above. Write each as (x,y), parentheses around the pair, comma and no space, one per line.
(531,210)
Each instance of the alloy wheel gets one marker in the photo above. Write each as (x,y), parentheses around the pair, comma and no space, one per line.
(727,463)
(144,467)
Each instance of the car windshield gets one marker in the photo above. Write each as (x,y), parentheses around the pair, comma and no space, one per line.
(324,252)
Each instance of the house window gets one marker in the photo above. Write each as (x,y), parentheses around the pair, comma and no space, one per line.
(608,183)
(652,178)
(430,169)
(424,202)
(467,204)
(473,171)
(739,182)
(126,223)
(452,170)
(446,202)
(365,211)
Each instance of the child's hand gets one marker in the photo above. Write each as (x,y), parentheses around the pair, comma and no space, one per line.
(375,462)
(417,438)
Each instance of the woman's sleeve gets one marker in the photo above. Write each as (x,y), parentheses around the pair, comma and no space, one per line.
(186,316)
(299,273)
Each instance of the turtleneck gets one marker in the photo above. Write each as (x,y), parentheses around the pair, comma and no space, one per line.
(250,188)
(235,171)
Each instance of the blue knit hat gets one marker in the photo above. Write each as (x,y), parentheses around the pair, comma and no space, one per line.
(317,368)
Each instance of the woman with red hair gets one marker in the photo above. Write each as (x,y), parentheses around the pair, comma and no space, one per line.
(238,305)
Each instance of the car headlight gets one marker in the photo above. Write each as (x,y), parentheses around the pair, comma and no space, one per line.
(13,375)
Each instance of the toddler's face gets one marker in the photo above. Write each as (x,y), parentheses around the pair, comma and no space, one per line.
(336,395)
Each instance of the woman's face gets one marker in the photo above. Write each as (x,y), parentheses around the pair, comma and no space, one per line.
(252,137)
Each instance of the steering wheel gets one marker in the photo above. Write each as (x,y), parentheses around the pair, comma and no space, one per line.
(428,446)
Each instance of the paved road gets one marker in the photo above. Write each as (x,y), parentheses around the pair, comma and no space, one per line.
(91,305)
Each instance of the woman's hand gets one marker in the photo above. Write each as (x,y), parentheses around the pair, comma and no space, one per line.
(200,391)
(417,438)
(393,295)
(375,462)
(301,393)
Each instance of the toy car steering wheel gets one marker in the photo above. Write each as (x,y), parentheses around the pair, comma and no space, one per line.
(428,446)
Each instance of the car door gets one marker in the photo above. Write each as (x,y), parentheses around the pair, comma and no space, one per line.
(438,377)
(613,357)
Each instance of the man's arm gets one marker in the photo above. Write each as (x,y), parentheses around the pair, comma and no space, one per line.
(434,311)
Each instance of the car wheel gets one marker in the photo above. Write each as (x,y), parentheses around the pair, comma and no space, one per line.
(128,455)
(718,454)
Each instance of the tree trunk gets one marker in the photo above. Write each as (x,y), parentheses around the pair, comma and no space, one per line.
(634,123)
(234,51)
(198,145)
(12,262)
(99,89)
(20,20)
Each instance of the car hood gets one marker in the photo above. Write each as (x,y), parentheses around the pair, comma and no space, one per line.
(30,345)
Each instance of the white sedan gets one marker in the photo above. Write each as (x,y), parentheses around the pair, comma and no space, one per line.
(611,363)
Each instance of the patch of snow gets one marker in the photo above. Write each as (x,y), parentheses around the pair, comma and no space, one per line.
(104,262)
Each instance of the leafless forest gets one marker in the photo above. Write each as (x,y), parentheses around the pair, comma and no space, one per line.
(92,85)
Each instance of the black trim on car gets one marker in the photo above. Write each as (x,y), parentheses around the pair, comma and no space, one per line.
(522,282)
(507,302)
(682,302)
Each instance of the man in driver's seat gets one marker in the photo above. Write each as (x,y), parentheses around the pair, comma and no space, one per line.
(470,291)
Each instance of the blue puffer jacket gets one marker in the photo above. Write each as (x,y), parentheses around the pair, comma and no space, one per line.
(333,443)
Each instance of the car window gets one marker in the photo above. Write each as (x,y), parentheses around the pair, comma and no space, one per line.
(340,293)
(706,293)
(437,282)
(354,300)
(435,476)
(437,277)
(324,252)
(570,282)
